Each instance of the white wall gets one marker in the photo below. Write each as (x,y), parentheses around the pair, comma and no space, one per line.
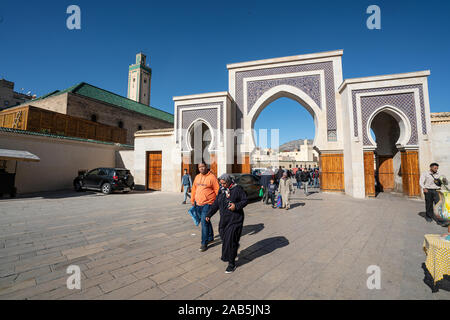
(171,163)
(125,159)
(61,159)
(441,147)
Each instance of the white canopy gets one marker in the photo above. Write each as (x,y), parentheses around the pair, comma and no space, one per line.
(19,155)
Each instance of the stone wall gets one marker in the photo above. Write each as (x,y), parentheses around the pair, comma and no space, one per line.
(57,103)
(440,124)
(83,107)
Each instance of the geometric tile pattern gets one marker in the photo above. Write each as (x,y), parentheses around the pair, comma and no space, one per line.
(403,101)
(421,102)
(327,67)
(212,122)
(210,115)
(309,84)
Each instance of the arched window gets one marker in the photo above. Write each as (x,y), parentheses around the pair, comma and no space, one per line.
(120,124)
(94,117)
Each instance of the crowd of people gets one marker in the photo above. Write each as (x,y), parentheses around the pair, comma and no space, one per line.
(210,194)
(280,182)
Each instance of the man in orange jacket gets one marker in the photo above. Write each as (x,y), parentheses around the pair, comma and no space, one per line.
(204,191)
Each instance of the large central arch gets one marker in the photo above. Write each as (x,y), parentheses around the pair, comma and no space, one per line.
(293,93)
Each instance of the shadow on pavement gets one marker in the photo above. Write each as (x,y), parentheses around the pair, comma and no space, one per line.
(297,204)
(260,249)
(248,229)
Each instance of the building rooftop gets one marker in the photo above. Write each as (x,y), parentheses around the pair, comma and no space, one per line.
(90,91)
(49,135)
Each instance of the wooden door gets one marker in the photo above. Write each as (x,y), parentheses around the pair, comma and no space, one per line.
(386,173)
(154,162)
(410,173)
(369,174)
(331,174)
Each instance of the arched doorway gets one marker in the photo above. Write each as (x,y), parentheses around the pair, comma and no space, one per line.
(388,165)
(284,133)
(331,165)
(386,131)
(199,140)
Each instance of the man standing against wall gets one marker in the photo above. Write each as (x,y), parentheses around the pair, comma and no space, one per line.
(204,191)
(429,187)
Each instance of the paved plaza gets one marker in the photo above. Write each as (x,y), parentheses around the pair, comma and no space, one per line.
(145,246)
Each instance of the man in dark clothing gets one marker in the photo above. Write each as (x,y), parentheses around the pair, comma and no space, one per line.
(305,179)
(298,179)
(231,202)
(278,175)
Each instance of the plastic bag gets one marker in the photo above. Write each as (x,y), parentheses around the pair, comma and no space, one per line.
(194,214)
(279,201)
(261,192)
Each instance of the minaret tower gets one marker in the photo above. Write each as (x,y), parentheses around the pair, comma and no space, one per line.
(139,78)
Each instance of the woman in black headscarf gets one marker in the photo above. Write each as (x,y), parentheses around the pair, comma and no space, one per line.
(231,201)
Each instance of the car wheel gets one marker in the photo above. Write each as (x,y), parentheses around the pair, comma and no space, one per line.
(78,186)
(106,188)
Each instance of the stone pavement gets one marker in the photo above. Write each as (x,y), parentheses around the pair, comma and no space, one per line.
(145,246)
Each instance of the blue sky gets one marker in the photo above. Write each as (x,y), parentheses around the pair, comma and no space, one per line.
(189,43)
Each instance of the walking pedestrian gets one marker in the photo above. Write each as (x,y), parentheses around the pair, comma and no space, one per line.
(231,202)
(266,176)
(316,178)
(271,191)
(285,187)
(186,181)
(204,191)
(428,184)
(305,179)
(298,178)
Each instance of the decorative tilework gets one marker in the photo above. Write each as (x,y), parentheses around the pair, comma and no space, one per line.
(327,67)
(403,101)
(422,105)
(309,84)
(219,105)
(332,135)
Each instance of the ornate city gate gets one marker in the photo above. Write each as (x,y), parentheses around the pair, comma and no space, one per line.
(344,113)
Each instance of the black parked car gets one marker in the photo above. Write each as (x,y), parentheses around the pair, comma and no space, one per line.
(106,180)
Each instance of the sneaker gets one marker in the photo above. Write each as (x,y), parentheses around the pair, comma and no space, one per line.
(230,269)
(202,248)
(428,219)
(184,202)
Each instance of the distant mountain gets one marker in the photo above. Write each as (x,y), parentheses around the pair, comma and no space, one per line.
(294,144)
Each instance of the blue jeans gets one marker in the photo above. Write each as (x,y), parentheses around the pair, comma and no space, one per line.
(186,194)
(316,182)
(299,184)
(207,229)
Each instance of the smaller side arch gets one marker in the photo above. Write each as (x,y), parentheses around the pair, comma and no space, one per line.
(188,135)
(399,116)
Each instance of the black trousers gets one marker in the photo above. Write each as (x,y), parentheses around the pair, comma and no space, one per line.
(431,198)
